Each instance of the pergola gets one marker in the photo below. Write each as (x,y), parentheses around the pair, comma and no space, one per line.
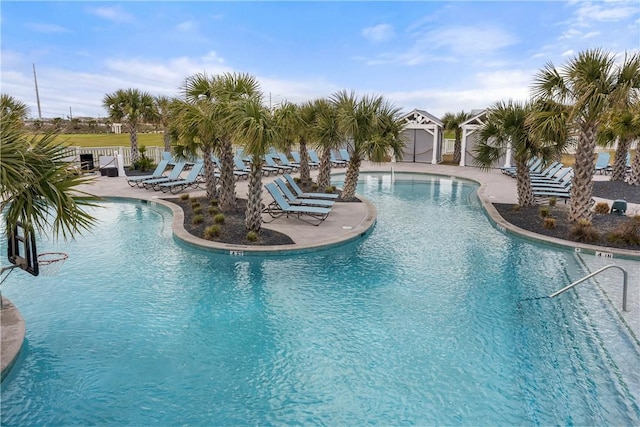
(422,135)
(470,138)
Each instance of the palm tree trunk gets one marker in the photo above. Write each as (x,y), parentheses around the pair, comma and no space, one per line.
(351,179)
(324,174)
(209,173)
(305,173)
(166,137)
(634,179)
(457,147)
(523,182)
(227,180)
(253,215)
(620,162)
(133,138)
(582,184)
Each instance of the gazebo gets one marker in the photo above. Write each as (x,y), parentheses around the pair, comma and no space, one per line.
(422,136)
(470,137)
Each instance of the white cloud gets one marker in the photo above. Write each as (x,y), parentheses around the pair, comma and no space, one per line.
(187,26)
(468,41)
(212,57)
(378,33)
(46,28)
(114,14)
(566,53)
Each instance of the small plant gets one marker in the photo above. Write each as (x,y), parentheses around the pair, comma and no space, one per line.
(213,202)
(553,201)
(601,208)
(197,210)
(143,163)
(516,208)
(544,211)
(211,232)
(549,223)
(626,232)
(213,210)
(252,236)
(184,196)
(195,204)
(219,218)
(583,231)
(314,186)
(197,219)
(330,189)
(297,179)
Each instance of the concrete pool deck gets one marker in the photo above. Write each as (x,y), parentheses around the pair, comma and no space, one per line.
(347,222)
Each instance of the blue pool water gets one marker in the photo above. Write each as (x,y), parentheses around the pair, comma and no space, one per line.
(428,320)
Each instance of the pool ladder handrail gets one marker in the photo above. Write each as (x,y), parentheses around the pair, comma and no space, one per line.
(606,267)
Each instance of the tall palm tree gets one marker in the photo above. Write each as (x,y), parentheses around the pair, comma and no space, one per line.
(507,126)
(36,187)
(634,178)
(619,128)
(372,130)
(327,136)
(12,111)
(162,104)
(452,122)
(591,85)
(132,107)
(257,130)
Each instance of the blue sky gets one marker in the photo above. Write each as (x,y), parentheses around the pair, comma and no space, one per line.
(436,56)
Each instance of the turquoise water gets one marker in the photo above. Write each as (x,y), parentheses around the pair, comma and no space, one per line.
(428,320)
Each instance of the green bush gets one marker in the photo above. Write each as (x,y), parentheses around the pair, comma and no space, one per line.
(213,210)
(219,218)
(330,189)
(197,219)
(516,208)
(211,232)
(252,236)
(626,232)
(544,211)
(553,201)
(184,196)
(213,202)
(197,210)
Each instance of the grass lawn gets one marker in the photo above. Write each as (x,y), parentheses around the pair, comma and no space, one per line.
(110,140)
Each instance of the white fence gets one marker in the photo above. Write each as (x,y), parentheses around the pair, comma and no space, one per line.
(448,145)
(153,153)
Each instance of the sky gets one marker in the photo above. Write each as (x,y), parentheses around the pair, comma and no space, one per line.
(436,56)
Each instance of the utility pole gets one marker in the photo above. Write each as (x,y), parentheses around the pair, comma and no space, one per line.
(70,115)
(37,94)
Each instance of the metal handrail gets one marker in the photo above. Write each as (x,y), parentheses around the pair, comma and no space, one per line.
(624,283)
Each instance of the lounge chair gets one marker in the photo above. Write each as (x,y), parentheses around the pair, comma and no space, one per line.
(266,170)
(533,165)
(272,164)
(296,160)
(284,160)
(174,175)
(609,169)
(602,162)
(344,155)
(313,158)
(550,171)
(158,173)
(337,162)
(191,180)
(280,207)
(169,157)
(237,174)
(557,179)
(293,200)
(299,193)
(240,166)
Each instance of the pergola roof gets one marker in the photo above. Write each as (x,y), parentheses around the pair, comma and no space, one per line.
(477,118)
(420,117)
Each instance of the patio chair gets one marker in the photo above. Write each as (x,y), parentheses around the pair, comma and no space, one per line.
(169,157)
(284,160)
(193,179)
(296,160)
(174,175)
(547,173)
(237,174)
(336,161)
(280,207)
(344,155)
(298,191)
(266,169)
(293,200)
(313,158)
(268,160)
(533,164)
(554,180)
(157,173)
(602,162)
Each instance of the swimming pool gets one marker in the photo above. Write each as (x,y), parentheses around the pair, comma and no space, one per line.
(431,319)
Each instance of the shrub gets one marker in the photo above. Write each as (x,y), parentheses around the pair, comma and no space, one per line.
(213,202)
(211,231)
(314,186)
(626,232)
(544,211)
(583,231)
(213,210)
(549,223)
(330,189)
(297,179)
(252,236)
(601,208)
(184,196)
(197,210)
(219,218)
(553,201)
(197,219)
(516,208)
(195,204)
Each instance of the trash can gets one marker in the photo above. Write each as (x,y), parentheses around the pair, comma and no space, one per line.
(112,171)
(86,162)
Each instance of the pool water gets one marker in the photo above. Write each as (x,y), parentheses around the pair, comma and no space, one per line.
(430,319)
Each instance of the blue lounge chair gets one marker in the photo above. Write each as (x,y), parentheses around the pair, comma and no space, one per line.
(298,191)
(169,157)
(272,164)
(602,162)
(266,170)
(174,175)
(554,180)
(344,155)
(240,166)
(284,160)
(533,165)
(280,207)
(547,173)
(236,173)
(193,179)
(336,161)
(296,160)
(293,200)
(313,158)
(627,165)
(158,173)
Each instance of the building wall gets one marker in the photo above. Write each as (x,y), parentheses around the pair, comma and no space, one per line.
(418,146)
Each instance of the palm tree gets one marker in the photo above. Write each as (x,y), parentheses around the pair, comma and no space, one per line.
(621,128)
(132,107)
(452,122)
(590,85)
(327,136)
(256,129)
(12,111)
(162,104)
(36,187)
(372,130)
(507,126)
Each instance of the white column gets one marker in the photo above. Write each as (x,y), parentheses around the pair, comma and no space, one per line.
(463,147)
(434,157)
(507,160)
